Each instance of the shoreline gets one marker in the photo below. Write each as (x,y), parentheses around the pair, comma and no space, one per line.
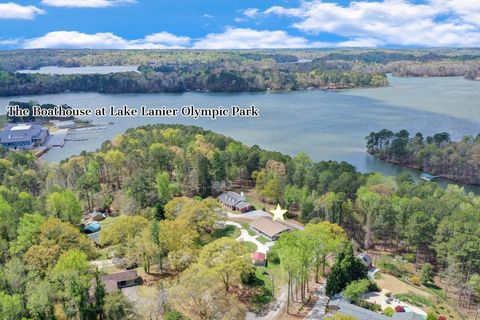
(420,170)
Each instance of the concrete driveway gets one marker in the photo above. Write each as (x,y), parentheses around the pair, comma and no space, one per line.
(245,236)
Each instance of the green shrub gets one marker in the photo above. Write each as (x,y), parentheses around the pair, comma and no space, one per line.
(414,280)
(273,256)
(410,257)
(427,273)
(174,315)
(394,267)
(389,312)
(368,305)
(431,315)
(373,287)
(355,289)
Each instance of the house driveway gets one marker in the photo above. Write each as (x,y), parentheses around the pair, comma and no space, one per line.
(245,236)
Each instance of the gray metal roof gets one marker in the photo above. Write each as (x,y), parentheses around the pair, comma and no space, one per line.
(407,316)
(233,199)
(347,308)
(22,132)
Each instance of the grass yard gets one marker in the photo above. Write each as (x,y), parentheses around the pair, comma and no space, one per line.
(416,300)
(267,284)
(429,298)
(251,247)
(229,231)
(262,239)
(246,226)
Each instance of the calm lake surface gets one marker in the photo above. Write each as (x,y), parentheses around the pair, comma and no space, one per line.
(82,70)
(326,125)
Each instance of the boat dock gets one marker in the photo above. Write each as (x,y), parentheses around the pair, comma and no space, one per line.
(427,176)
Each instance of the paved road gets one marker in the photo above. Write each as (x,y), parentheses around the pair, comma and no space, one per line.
(318,311)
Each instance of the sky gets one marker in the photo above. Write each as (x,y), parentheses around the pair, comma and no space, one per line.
(241,24)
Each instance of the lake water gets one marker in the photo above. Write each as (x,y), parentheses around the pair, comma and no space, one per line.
(326,125)
(82,70)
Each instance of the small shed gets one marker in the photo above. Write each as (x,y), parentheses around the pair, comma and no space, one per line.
(259,259)
(121,280)
(96,216)
(366,260)
(92,228)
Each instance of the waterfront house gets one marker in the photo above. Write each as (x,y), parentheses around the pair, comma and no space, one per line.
(235,201)
(23,136)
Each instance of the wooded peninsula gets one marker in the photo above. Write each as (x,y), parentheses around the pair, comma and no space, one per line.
(437,154)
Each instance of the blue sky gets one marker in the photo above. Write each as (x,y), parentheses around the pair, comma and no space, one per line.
(212,24)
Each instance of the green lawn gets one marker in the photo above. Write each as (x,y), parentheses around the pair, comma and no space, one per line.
(415,299)
(275,273)
(251,247)
(246,226)
(262,239)
(228,231)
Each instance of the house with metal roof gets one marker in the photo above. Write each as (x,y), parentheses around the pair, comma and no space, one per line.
(120,280)
(117,281)
(235,201)
(23,136)
(343,306)
(270,229)
(92,228)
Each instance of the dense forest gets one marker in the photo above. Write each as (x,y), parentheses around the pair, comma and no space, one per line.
(229,70)
(437,154)
(160,180)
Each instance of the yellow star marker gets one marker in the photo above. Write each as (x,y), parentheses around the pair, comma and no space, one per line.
(278,213)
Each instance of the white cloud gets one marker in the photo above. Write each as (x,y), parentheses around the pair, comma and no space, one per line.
(12,10)
(168,39)
(231,38)
(391,22)
(246,38)
(85,3)
(251,12)
(79,40)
